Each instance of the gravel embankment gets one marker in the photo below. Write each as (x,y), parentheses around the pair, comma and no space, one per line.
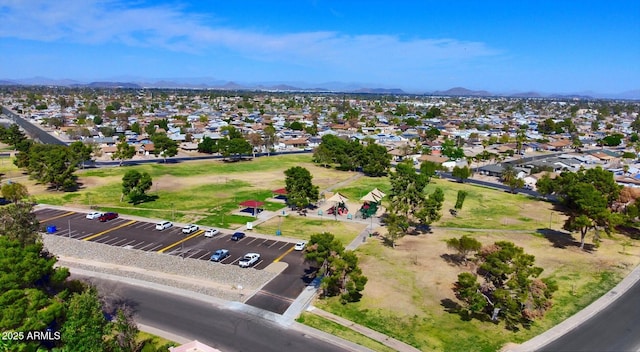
(200,276)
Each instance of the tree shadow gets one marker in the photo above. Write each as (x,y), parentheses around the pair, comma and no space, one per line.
(450,306)
(452,259)
(629,231)
(145,198)
(563,240)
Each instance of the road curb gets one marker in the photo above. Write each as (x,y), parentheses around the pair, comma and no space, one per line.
(579,318)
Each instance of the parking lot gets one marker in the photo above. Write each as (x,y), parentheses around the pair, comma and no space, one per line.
(142,235)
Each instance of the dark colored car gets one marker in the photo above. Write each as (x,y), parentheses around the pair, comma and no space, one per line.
(108,216)
(237,236)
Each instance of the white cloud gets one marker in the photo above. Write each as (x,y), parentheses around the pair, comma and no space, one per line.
(96,22)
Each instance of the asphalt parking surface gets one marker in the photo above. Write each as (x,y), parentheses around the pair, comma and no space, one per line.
(276,296)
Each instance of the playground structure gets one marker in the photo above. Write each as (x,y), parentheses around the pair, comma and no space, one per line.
(340,208)
(371,203)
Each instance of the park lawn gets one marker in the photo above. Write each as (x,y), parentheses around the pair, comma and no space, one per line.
(410,286)
(295,226)
(486,208)
(338,330)
(153,342)
(203,192)
(364,185)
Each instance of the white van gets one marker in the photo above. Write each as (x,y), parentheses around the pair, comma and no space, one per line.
(163,225)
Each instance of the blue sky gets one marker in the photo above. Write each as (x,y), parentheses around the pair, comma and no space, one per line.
(561,46)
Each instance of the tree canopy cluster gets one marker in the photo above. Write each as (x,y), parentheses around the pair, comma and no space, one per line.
(135,184)
(587,197)
(233,145)
(338,267)
(36,295)
(53,164)
(509,286)
(12,135)
(373,159)
(409,203)
(300,189)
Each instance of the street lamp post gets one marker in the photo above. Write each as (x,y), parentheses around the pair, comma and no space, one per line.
(69,228)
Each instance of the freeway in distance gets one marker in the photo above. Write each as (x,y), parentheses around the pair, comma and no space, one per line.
(225,329)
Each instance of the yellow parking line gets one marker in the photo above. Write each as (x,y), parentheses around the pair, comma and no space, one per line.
(282,256)
(59,216)
(109,230)
(182,240)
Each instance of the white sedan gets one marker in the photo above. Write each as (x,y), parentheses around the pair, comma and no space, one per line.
(300,246)
(249,259)
(190,229)
(93,215)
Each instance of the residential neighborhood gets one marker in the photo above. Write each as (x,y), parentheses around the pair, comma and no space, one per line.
(534,135)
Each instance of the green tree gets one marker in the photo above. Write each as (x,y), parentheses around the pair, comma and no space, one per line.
(30,290)
(587,197)
(208,145)
(462,195)
(338,268)
(464,246)
(135,128)
(14,135)
(429,168)
(14,192)
(19,223)
(164,146)
(451,150)
(376,161)
(235,148)
(124,151)
(135,184)
(270,138)
(80,151)
(511,286)
(255,139)
(461,173)
(510,178)
(85,327)
(52,164)
(300,189)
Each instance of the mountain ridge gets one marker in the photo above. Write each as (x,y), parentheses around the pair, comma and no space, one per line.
(335,87)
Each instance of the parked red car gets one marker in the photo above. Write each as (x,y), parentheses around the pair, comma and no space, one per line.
(108,216)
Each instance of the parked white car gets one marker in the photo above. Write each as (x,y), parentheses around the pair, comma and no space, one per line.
(93,215)
(300,246)
(191,228)
(249,259)
(163,225)
(211,232)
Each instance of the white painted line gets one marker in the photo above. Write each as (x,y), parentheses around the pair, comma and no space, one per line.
(194,253)
(128,243)
(206,254)
(253,240)
(284,245)
(144,247)
(156,247)
(273,244)
(101,239)
(118,241)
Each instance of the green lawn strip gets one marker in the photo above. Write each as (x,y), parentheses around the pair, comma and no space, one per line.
(364,185)
(303,228)
(205,167)
(154,343)
(338,330)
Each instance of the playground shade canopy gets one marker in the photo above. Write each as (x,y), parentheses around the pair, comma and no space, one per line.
(251,204)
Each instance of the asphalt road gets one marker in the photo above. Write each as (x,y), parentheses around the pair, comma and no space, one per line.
(616,328)
(276,296)
(225,329)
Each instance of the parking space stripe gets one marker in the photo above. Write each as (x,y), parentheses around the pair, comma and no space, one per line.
(109,230)
(155,247)
(253,240)
(59,216)
(119,242)
(128,243)
(284,254)
(273,244)
(197,233)
(103,239)
(284,245)
(194,253)
(204,255)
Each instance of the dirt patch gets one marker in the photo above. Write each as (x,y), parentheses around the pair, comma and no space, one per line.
(414,278)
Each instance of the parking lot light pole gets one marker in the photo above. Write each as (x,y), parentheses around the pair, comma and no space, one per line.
(69,228)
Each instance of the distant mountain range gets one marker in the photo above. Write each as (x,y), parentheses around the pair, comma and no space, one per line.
(336,87)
